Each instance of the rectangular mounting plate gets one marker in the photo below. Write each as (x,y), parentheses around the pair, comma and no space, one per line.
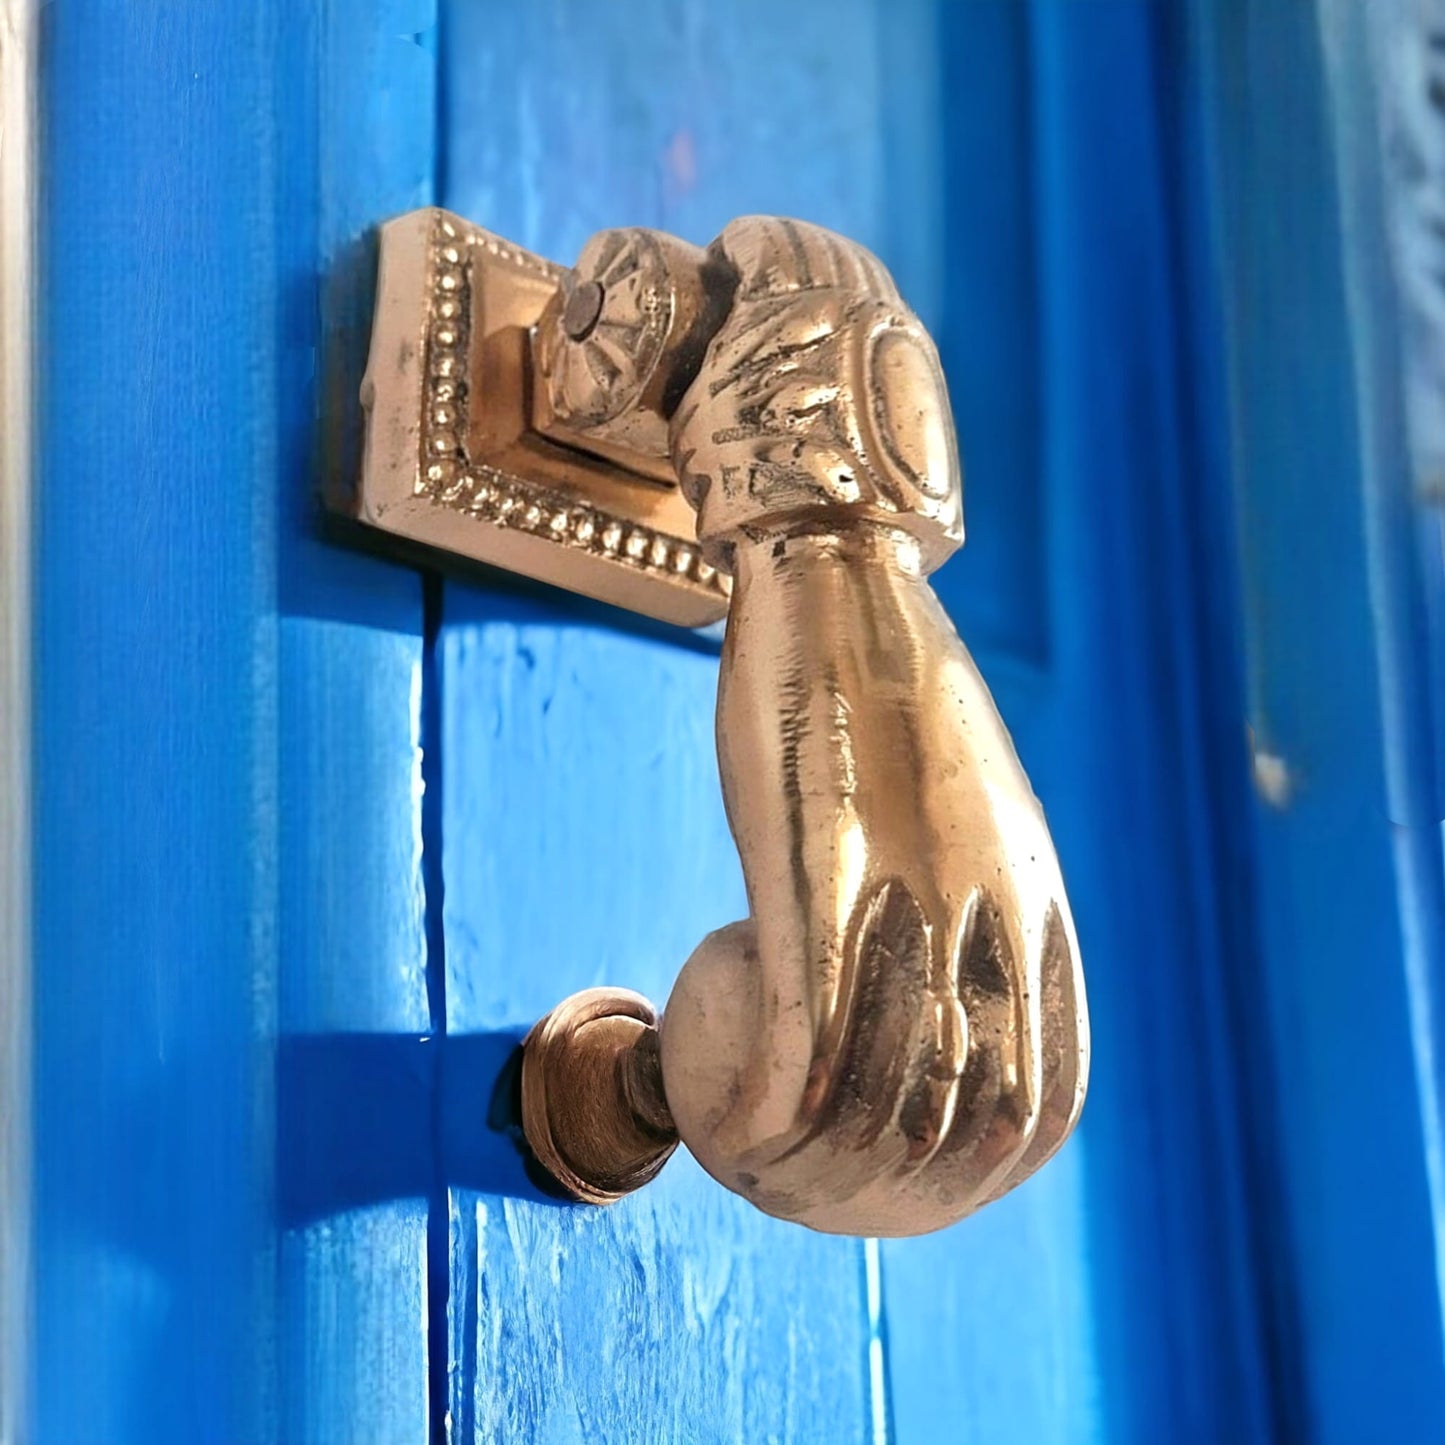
(453,460)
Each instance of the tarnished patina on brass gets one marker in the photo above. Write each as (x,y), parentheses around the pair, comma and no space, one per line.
(897,1033)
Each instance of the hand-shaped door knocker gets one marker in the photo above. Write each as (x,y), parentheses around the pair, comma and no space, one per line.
(897,1033)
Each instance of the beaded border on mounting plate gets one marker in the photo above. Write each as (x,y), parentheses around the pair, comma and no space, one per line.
(448,477)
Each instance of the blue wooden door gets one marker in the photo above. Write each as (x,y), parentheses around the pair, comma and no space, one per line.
(317,835)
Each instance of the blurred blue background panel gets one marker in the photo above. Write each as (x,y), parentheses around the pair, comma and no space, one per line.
(978,207)
(1327,176)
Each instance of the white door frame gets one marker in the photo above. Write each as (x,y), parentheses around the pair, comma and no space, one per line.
(18,20)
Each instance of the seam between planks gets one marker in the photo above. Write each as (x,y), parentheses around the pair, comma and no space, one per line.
(438,1227)
(438,1231)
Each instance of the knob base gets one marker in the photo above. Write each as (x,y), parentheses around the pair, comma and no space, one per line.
(593,1109)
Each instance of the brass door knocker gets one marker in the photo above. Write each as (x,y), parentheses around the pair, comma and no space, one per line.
(897,1033)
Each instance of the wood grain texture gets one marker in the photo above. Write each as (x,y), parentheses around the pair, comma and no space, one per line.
(585,841)
(226,798)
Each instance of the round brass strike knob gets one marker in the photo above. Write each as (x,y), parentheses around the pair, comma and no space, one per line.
(592,1104)
(897,1034)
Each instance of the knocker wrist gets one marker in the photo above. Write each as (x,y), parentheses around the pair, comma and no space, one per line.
(851,537)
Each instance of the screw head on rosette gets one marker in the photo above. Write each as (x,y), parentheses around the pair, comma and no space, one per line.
(618,342)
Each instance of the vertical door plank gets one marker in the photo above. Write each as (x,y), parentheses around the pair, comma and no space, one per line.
(583,832)
(226,808)
(353,1158)
(155,978)
(585,842)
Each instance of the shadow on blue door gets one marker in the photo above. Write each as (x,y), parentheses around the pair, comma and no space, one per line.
(364,1118)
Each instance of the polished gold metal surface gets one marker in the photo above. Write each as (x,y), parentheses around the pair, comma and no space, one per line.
(592,1103)
(897,1033)
(462,456)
